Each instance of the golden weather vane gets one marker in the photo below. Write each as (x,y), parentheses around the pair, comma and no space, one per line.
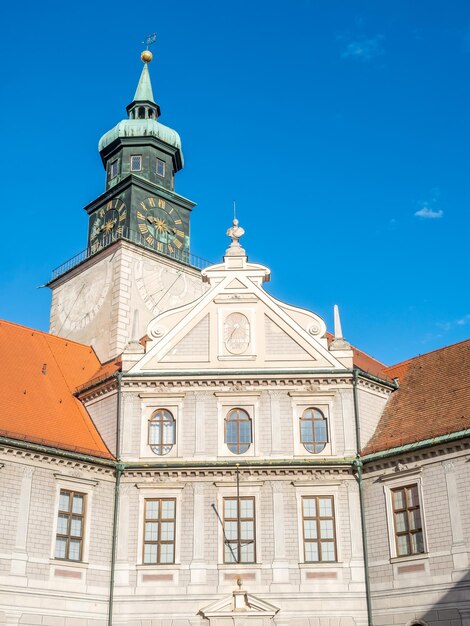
(146,55)
(150,39)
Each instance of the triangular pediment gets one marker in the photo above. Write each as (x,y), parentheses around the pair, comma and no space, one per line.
(236,284)
(236,325)
(239,603)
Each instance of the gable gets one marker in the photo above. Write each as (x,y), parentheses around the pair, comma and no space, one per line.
(280,345)
(194,346)
(236,325)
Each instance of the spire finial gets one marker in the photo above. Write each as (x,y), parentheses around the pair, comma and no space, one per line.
(235,232)
(338,343)
(146,55)
(338,331)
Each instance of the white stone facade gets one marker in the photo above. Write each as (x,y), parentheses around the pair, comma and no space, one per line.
(432,587)
(115,293)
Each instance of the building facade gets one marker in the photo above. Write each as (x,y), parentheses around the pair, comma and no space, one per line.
(216,457)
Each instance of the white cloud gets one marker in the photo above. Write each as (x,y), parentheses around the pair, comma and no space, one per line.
(462,321)
(364,49)
(429,214)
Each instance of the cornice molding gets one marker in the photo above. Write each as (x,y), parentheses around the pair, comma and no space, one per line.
(18,455)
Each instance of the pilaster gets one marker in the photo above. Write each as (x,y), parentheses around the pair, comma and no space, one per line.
(20,555)
(459,549)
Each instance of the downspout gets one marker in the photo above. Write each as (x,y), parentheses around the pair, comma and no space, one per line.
(357,464)
(117,487)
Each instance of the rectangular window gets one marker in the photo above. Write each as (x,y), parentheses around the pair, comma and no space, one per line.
(70,525)
(318,520)
(136,163)
(160,167)
(407,520)
(113,170)
(159,531)
(239,530)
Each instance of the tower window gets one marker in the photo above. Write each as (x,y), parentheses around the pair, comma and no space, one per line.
(141,113)
(160,167)
(113,170)
(136,163)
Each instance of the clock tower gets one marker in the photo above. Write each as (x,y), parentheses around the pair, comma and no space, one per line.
(137,262)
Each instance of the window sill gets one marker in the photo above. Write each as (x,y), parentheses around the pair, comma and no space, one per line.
(68,563)
(158,566)
(321,564)
(410,557)
(229,566)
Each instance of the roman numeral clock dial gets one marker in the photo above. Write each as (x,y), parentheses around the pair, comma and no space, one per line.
(161,226)
(107,222)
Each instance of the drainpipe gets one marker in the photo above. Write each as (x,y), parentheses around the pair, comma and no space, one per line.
(117,487)
(357,465)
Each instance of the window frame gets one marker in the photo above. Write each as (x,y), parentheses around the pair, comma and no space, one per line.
(249,401)
(314,442)
(329,488)
(70,516)
(156,167)
(83,486)
(392,482)
(149,405)
(238,443)
(111,165)
(149,491)
(132,156)
(318,519)
(325,403)
(406,489)
(161,444)
(159,521)
(238,542)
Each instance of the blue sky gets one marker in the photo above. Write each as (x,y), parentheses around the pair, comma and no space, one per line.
(341,128)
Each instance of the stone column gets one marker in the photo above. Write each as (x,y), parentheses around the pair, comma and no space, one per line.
(349,426)
(280,562)
(356,562)
(198,564)
(20,556)
(127,425)
(459,549)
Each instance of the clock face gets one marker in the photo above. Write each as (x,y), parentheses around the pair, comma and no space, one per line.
(106,223)
(162,288)
(161,226)
(236,333)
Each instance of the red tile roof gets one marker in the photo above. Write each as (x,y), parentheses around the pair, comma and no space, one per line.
(105,371)
(364,362)
(39,373)
(433,398)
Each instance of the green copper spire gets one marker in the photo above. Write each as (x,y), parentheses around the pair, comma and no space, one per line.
(144,88)
(143,106)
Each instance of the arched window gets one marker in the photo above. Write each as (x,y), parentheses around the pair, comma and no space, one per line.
(141,113)
(313,430)
(162,430)
(238,431)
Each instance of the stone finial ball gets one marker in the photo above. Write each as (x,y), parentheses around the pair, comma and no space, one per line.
(146,56)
